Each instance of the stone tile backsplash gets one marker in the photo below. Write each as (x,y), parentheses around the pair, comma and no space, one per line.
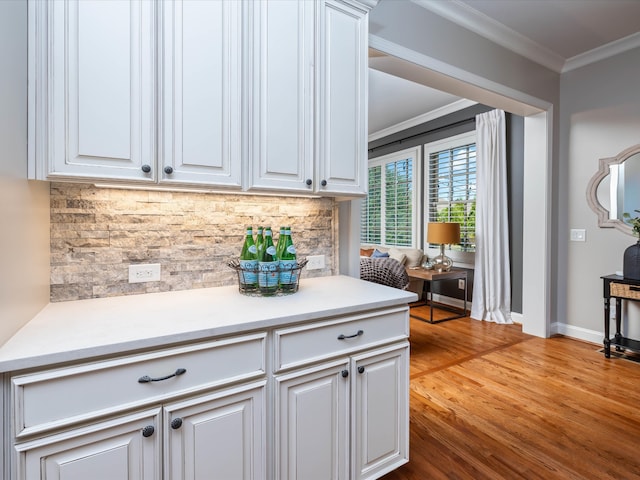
(96,233)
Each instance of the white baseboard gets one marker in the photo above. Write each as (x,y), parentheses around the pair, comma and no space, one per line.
(579,333)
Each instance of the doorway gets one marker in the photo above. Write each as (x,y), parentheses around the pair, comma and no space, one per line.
(402,62)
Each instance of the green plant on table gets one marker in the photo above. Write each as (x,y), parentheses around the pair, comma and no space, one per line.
(633,222)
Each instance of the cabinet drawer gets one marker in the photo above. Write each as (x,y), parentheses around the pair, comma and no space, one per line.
(624,290)
(49,399)
(317,341)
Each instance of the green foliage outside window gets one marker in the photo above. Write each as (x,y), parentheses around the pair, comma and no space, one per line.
(465,214)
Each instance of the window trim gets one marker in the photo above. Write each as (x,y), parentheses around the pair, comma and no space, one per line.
(462,259)
(415,153)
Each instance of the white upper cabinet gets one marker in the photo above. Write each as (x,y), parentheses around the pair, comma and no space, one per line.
(92,87)
(201,136)
(341,166)
(309,97)
(281,147)
(260,95)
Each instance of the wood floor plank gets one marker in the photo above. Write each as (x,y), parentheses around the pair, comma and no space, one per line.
(489,402)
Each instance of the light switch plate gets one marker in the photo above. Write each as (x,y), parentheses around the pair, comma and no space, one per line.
(578,235)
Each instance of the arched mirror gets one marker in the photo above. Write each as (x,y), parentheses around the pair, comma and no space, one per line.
(615,189)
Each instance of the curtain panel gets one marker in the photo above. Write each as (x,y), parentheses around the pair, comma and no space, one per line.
(492,279)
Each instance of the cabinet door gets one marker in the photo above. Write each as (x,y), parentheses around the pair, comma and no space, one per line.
(115,449)
(281,147)
(221,435)
(92,89)
(312,415)
(341,164)
(201,108)
(380,411)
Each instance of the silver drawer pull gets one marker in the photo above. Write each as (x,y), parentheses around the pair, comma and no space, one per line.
(147,378)
(357,334)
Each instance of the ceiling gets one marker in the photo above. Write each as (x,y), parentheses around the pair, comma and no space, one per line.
(558,34)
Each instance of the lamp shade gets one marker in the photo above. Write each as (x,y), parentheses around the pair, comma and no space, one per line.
(443,233)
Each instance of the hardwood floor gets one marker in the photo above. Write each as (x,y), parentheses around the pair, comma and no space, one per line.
(489,402)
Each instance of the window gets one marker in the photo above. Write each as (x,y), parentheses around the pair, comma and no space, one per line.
(451,186)
(388,213)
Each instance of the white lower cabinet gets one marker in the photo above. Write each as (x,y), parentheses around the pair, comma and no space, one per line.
(319,400)
(109,450)
(380,409)
(193,412)
(345,418)
(312,423)
(217,436)
(220,435)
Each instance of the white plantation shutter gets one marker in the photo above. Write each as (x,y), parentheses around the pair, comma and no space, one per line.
(452,191)
(388,212)
(398,211)
(370,227)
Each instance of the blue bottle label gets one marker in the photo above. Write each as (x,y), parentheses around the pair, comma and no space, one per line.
(268,274)
(248,272)
(288,272)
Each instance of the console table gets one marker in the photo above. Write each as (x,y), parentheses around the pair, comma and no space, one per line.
(431,276)
(619,288)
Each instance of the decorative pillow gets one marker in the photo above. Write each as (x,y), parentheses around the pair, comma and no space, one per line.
(366,252)
(397,255)
(378,254)
(414,257)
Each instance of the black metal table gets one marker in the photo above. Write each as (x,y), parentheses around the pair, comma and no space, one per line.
(431,276)
(619,288)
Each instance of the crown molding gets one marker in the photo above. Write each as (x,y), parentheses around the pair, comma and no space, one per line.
(420,119)
(485,26)
(600,53)
(475,21)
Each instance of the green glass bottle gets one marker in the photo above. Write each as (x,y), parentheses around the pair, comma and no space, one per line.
(288,264)
(268,266)
(260,242)
(280,244)
(249,263)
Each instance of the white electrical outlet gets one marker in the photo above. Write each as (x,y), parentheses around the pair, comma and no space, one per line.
(461,284)
(315,262)
(149,272)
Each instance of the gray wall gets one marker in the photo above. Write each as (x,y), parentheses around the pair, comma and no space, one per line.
(600,117)
(515,184)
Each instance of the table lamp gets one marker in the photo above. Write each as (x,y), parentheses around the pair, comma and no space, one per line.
(443,233)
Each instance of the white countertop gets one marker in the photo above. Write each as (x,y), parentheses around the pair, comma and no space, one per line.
(82,329)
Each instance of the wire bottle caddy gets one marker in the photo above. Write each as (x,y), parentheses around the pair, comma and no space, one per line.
(268,279)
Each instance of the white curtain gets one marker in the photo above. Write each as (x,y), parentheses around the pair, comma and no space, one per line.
(492,280)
